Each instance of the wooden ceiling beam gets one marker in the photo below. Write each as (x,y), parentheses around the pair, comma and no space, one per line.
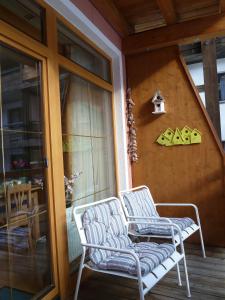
(222,6)
(167,10)
(182,33)
(112,15)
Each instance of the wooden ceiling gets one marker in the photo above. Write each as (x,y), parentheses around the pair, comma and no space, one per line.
(133,16)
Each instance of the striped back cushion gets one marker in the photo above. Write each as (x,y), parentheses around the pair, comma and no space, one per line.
(104,226)
(140,203)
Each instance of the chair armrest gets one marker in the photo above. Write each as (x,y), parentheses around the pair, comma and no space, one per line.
(150,218)
(176,204)
(109,249)
(117,250)
(34,210)
(161,224)
(183,205)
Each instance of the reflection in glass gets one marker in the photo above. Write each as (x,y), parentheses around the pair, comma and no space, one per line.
(20,92)
(28,241)
(24,230)
(25,15)
(4,263)
(73,47)
(3,201)
(23,151)
(88,147)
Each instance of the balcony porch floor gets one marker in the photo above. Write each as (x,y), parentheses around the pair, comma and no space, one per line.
(207,281)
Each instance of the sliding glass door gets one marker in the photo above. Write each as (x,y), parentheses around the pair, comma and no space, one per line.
(25,256)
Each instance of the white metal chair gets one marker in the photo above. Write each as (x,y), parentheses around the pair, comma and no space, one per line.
(138,204)
(103,231)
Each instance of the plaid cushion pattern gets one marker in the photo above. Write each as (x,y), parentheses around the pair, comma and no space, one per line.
(139,203)
(104,226)
(156,230)
(150,256)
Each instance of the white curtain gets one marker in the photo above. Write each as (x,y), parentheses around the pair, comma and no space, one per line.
(88,148)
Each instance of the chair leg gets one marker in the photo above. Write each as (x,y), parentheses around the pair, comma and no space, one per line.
(202,242)
(186,277)
(178,275)
(178,268)
(79,276)
(141,293)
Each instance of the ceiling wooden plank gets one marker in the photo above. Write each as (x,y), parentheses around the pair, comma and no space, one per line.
(168,11)
(222,6)
(185,32)
(198,13)
(110,12)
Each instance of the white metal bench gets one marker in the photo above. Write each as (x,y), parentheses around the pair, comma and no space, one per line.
(138,204)
(107,248)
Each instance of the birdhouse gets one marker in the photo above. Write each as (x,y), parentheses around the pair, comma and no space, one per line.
(159,103)
(196,137)
(177,138)
(186,135)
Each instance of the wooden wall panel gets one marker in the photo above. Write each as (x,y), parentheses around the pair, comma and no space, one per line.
(192,173)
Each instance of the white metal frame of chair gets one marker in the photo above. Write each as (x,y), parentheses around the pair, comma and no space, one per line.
(185,233)
(145,283)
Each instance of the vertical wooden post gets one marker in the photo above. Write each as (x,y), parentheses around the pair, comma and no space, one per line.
(57,157)
(211,82)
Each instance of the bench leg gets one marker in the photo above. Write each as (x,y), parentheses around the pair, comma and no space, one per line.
(79,276)
(178,275)
(186,277)
(140,283)
(141,293)
(202,242)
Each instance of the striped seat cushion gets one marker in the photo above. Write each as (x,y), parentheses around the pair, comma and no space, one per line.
(140,203)
(156,230)
(150,256)
(104,226)
(16,238)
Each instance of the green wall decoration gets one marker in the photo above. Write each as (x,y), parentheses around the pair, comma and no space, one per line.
(169,134)
(195,137)
(185,136)
(177,138)
(163,140)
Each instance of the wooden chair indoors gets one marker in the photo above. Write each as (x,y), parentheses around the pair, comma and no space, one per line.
(20,219)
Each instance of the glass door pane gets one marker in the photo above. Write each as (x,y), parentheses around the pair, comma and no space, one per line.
(25,15)
(88,148)
(25,255)
(74,48)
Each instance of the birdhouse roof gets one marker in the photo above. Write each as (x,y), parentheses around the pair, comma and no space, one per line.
(157,97)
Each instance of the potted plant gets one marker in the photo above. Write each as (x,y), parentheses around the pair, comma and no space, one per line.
(69,184)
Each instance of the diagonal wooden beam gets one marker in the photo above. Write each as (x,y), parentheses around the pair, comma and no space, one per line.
(168,11)
(222,6)
(185,32)
(110,12)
